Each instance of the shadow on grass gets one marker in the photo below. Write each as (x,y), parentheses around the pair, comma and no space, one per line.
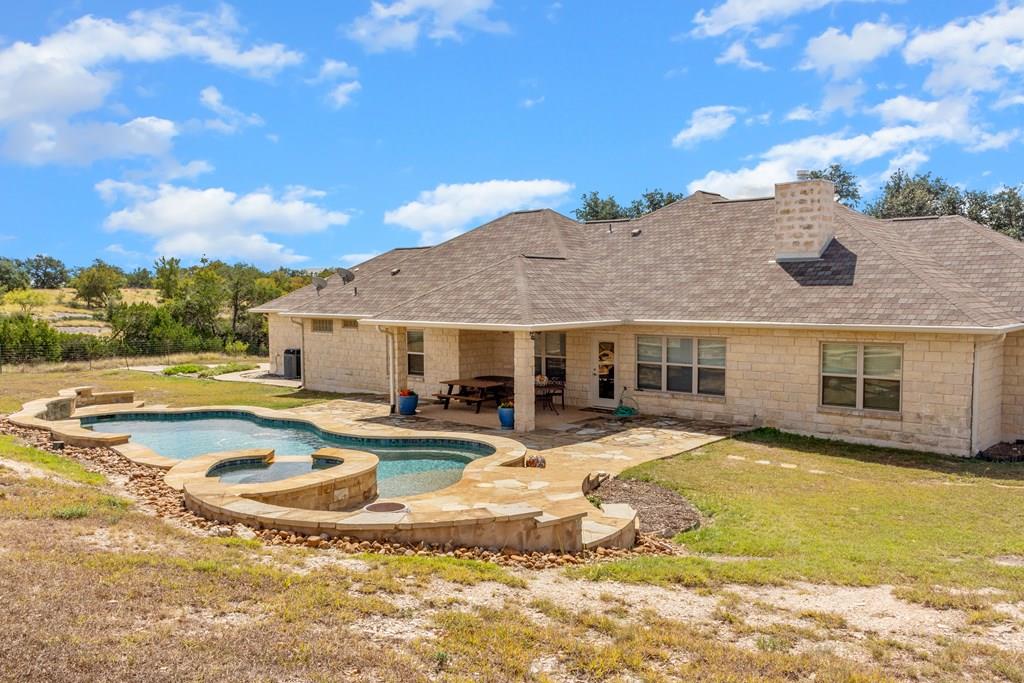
(894,457)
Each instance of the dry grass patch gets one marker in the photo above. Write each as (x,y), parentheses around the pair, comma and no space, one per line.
(20,388)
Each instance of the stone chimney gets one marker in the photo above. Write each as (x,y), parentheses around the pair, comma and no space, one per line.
(804,214)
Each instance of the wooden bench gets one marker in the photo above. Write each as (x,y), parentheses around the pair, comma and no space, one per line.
(445,398)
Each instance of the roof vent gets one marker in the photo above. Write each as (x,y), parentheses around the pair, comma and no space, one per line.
(395,271)
(355,291)
(635,232)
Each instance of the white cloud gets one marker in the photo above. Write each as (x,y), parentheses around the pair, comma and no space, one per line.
(356,259)
(531,102)
(706,123)
(736,54)
(173,170)
(231,120)
(1009,101)
(909,124)
(333,69)
(64,73)
(120,250)
(448,210)
(69,72)
(802,113)
(82,143)
(341,94)
(843,55)
(842,96)
(746,14)
(400,23)
(772,40)
(300,192)
(190,222)
(974,53)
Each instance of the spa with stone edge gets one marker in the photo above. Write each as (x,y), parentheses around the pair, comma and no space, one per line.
(339,475)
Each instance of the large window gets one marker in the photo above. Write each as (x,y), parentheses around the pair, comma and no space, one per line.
(549,355)
(414,344)
(322,325)
(861,375)
(685,365)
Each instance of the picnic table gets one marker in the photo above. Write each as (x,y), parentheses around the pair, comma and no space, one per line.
(472,390)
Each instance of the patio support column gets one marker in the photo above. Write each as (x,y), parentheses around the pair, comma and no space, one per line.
(525,393)
(401,359)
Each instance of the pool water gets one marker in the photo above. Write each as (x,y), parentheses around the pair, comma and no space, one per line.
(407,466)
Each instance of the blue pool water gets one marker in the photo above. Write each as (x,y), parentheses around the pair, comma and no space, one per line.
(407,466)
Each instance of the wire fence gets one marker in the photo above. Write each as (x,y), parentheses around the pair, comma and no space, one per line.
(88,352)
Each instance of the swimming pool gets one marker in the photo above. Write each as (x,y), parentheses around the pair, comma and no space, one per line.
(407,466)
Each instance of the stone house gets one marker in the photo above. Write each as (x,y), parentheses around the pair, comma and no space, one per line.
(790,311)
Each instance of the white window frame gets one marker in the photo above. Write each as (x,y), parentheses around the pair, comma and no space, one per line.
(324,323)
(541,339)
(422,354)
(694,364)
(859,376)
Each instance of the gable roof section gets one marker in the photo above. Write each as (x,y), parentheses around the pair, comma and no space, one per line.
(701,260)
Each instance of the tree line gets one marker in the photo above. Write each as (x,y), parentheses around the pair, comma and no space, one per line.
(203,307)
(903,196)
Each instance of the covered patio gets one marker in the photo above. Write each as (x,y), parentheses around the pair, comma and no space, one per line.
(551,376)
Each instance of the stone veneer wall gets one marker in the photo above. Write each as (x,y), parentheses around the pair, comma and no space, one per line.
(804,216)
(1013,387)
(283,335)
(772,379)
(333,494)
(987,412)
(485,353)
(441,359)
(348,358)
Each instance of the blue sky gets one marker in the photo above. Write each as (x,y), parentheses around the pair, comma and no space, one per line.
(319,133)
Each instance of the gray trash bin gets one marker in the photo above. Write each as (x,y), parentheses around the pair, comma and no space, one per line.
(293,363)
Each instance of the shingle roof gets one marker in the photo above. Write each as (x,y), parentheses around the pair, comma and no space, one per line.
(701,259)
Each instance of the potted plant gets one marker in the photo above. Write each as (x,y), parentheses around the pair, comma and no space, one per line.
(407,402)
(507,414)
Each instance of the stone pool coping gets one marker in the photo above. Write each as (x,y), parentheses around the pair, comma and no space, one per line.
(349,483)
(492,505)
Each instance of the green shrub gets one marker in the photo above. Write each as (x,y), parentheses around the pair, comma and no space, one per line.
(236,348)
(185,369)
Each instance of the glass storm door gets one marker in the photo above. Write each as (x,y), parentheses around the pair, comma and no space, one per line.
(605,394)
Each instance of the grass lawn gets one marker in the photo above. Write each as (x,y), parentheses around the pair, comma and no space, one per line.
(840,513)
(182,391)
(95,588)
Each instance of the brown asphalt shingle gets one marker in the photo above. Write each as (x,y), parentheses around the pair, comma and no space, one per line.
(700,259)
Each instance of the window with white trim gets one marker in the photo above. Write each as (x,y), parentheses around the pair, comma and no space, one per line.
(549,355)
(685,365)
(322,325)
(861,375)
(415,352)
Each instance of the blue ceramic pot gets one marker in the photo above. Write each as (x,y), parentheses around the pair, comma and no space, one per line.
(507,416)
(407,404)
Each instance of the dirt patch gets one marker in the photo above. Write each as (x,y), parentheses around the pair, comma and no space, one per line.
(662,512)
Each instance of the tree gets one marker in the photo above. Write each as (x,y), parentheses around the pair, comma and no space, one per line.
(98,283)
(594,207)
(651,200)
(1007,212)
(46,272)
(201,295)
(921,195)
(140,278)
(845,183)
(13,275)
(26,300)
(168,276)
(240,280)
